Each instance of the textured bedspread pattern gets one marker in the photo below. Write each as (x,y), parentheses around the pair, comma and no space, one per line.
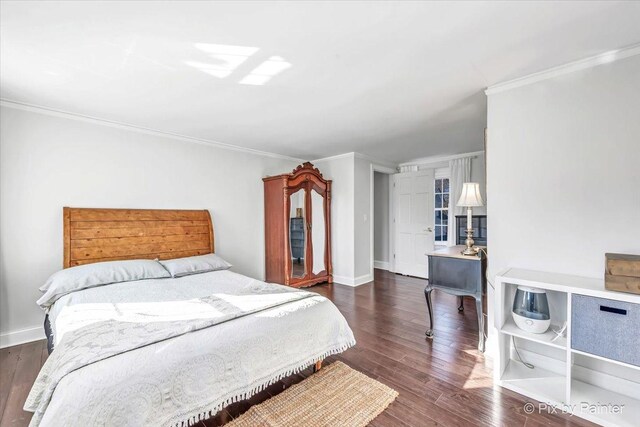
(166,364)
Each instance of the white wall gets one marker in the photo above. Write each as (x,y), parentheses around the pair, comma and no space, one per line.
(564,171)
(340,170)
(381,216)
(351,208)
(363,252)
(48,162)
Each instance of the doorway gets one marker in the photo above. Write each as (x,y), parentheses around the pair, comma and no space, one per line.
(381,214)
(413,221)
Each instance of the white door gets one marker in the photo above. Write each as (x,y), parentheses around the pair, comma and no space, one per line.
(414,221)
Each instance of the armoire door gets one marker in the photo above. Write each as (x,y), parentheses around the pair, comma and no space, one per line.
(318,231)
(298,233)
(308,233)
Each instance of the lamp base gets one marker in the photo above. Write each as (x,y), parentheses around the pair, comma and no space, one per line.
(470,250)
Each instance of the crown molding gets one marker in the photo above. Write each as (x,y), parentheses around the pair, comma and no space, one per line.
(383,169)
(336,157)
(376,162)
(126,126)
(581,64)
(440,159)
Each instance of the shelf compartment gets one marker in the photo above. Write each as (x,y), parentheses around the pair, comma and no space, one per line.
(586,393)
(540,384)
(510,328)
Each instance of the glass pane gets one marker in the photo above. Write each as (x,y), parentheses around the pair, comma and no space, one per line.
(297,234)
(445,200)
(317,231)
(445,217)
(438,186)
(438,201)
(438,217)
(438,233)
(444,233)
(445,185)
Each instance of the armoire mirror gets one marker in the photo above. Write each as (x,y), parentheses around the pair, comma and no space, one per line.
(297,233)
(318,232)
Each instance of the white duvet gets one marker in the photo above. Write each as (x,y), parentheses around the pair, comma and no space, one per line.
(175,351)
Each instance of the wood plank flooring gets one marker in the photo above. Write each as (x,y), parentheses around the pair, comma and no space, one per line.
(443,382)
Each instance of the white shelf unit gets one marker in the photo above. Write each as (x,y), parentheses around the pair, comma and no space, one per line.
(570,380)
(548,338)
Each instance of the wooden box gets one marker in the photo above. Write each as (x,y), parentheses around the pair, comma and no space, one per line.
(622,273)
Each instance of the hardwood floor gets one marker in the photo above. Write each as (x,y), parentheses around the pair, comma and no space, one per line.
(19,366)
(441,382)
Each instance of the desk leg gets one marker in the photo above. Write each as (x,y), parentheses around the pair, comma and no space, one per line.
(427,294)
(480,324)
(460,304)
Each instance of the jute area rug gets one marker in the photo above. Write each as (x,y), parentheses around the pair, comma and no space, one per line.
(334,396)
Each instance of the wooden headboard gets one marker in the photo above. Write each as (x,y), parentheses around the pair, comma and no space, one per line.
(94,235)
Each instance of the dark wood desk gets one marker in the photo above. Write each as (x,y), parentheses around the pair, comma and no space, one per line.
(460,275)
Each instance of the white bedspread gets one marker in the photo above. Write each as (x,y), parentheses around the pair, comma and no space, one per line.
(213,339)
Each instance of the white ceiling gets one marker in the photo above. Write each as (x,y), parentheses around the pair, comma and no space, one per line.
(395,81)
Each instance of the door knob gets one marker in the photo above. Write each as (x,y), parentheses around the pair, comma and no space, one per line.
(429,230)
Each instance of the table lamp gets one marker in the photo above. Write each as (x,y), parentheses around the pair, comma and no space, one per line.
(470,198)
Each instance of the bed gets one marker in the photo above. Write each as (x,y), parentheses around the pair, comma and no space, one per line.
(169,350)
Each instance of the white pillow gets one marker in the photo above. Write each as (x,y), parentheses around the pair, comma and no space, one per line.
(195,264)
(96,274)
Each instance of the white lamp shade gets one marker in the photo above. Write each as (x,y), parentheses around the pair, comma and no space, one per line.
(470,196)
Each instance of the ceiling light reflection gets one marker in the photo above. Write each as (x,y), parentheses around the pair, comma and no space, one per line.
(266,71)
(226,58)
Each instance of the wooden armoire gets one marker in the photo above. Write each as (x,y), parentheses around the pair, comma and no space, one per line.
(297,209)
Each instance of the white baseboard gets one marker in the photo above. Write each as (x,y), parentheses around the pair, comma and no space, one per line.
(353,281)
(22,336)
(382,265)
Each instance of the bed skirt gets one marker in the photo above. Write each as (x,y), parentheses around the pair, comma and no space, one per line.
(48,333)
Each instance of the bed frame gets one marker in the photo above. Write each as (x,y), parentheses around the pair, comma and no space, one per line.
(95,235)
